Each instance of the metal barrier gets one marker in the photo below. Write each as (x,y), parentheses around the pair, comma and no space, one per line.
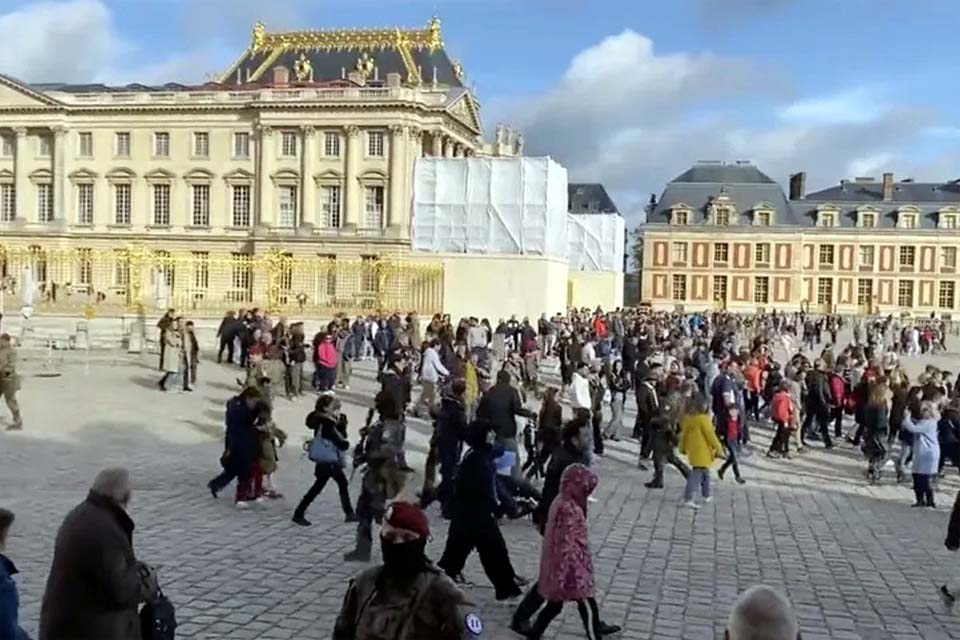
(131,278)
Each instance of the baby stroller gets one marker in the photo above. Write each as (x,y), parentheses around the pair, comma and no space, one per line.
(518,498)
(876,455)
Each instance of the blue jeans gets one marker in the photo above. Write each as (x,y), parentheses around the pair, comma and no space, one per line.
(698,476)
(732,447)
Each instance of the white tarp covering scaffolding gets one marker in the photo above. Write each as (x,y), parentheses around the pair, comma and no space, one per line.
(595,241)
(490,206)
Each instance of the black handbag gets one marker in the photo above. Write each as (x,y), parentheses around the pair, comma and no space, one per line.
(158,619)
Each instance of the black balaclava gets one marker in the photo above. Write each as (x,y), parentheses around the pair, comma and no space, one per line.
(403,560)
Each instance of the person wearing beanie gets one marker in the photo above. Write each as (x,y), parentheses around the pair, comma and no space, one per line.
(406,582)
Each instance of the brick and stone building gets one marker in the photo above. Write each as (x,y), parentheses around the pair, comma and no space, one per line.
(726,236)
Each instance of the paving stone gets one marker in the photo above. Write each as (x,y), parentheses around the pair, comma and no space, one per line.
(809,526)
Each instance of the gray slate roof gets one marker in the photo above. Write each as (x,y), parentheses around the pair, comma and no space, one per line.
(743,183)
(848,196)
(328,65)
(589,197)
(747,186)
(721,173)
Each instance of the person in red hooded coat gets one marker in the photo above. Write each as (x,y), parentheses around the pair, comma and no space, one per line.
(566,568)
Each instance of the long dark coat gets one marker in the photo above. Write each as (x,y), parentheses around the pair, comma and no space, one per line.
(94,587)
(241,441)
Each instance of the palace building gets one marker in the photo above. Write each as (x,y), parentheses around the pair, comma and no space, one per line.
(286,182)
(726,236)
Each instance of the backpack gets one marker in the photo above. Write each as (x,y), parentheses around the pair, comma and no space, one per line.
(158,620)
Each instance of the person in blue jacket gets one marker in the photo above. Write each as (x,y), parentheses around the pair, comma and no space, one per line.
(9,600)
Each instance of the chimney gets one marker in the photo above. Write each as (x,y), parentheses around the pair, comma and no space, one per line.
(281,76)
(393,80)
(798,185)
(888,187)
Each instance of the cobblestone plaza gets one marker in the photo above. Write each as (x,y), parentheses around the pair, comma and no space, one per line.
(855,560)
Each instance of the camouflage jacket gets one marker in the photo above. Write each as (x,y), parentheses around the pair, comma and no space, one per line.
(431,606)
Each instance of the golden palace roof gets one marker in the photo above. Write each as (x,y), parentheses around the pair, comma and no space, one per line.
(324,55)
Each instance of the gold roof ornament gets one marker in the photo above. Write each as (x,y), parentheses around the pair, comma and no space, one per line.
(259,35)
(302,69)
(436,40)
(365,65)
(270,46)
(348,39)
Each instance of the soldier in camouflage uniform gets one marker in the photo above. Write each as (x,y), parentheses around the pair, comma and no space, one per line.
(405,598)
(666,428)
(10,380)
(383,478)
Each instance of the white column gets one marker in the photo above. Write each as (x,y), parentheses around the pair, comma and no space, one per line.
(448,148)
(436,138)
(266,153)
(308,188)
(396,212)
(414,151)
(20,179)
(59,174)
(458,151)
(353,207)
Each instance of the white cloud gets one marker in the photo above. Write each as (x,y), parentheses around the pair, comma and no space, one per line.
(861,104)
(52,41)
(632,118)
(870,165)
(77,41)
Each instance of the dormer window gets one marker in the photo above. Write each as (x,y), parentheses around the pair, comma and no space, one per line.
(907,221)
(867,220)
(948,220)
(763,214)
(680,215)
(827,219)
(721,210)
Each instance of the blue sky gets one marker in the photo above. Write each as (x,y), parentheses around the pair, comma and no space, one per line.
(628,93)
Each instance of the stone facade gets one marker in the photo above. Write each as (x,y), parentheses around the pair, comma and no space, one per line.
(721,237)
(314,160)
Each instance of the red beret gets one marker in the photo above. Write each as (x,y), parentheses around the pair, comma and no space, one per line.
(404,515)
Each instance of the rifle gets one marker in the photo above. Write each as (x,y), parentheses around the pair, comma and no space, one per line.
(359,451)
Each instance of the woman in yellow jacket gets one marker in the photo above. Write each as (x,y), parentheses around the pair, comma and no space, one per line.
(472,393)
(699,442)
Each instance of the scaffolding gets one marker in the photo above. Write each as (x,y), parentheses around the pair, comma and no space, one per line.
(133,278)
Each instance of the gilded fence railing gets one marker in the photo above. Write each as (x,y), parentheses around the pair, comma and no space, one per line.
(130,278)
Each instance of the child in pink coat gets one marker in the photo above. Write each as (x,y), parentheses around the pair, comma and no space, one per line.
(566,568)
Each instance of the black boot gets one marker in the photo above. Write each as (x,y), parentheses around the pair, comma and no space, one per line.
(362,551)
(605,629)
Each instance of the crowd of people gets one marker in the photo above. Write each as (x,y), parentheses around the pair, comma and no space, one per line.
(702,385)
(700,382)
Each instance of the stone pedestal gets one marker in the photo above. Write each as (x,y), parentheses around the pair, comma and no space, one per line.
(138,334)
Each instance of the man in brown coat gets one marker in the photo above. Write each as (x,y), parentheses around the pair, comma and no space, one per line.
(96,583)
